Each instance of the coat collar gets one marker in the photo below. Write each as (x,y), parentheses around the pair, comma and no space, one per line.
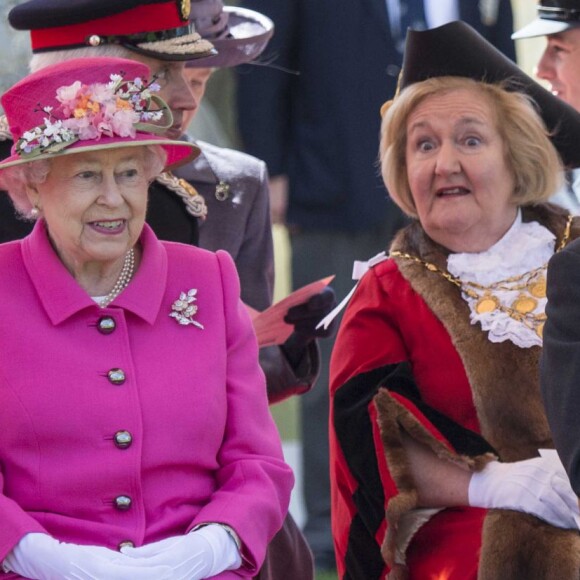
(61,296)
(200,169)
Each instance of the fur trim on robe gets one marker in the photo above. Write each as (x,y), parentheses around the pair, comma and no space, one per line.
(505,385)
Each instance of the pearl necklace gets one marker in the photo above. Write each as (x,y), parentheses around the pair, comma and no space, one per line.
(122,281)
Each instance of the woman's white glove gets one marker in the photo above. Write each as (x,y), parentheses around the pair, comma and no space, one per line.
(200,554)
(42,557)
(537,486)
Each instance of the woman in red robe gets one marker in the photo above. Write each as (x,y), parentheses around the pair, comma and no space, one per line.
(437,420)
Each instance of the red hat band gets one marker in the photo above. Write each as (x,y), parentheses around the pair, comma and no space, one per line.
(164,17)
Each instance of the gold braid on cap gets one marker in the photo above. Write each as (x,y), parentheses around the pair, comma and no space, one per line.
(191,43)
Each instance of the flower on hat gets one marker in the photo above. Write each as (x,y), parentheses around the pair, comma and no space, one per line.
(88,112)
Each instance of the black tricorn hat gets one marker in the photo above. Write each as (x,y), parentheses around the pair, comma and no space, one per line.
(553,16)
(456,49)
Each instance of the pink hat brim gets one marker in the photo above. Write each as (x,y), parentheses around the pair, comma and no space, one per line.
(178,152)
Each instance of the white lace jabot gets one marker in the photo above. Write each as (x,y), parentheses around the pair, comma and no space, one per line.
(525,247)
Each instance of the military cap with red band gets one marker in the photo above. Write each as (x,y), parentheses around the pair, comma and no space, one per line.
(157,28)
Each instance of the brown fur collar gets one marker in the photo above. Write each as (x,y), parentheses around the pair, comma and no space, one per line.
(505,385)
(502,375)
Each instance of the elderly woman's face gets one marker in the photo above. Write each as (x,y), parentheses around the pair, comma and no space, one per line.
(94,204)
(461,183)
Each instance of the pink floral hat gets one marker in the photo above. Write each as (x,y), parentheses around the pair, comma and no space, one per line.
(88,104)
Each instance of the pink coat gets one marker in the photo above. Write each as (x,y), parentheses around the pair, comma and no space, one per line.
(171,418)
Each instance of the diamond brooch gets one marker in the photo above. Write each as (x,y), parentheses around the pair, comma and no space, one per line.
(184,309)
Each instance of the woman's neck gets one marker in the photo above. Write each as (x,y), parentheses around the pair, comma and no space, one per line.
(97,277)
(475,240)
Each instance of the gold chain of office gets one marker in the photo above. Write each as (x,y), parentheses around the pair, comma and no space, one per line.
(531,286)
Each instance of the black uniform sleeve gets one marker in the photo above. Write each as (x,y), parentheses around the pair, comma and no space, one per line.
(560,363)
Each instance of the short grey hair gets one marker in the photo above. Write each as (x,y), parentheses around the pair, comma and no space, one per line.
(16,179)
(44,59)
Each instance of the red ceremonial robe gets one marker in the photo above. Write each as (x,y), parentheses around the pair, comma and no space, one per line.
(408,360)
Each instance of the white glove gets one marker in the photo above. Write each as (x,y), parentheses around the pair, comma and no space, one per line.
(537,486)
(42,557)
(200,554)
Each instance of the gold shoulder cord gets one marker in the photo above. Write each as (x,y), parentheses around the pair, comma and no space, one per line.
(566,237)
(532,286)
(194,203)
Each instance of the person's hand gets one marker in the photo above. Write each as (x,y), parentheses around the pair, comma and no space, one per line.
(535,486)
(278,199)
(42,557)
(200,554)
(304,317)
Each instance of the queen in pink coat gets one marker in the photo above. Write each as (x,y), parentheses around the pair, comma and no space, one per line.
(136,440)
